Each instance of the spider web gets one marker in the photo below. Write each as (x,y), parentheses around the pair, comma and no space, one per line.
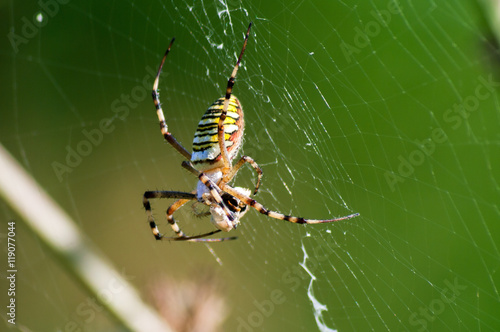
(378,108)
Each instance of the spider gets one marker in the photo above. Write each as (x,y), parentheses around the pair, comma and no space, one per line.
(217,140)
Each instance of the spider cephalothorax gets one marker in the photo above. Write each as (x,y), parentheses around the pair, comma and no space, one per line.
(216,143)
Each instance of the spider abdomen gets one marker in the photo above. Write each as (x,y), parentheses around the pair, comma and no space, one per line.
(206,150)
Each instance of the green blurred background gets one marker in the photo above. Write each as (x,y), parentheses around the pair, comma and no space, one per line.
(336,117)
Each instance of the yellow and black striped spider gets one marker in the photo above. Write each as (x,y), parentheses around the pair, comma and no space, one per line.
(217,140)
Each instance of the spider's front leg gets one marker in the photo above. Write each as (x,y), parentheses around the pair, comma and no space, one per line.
(224,208)
(182,197)
(276,215)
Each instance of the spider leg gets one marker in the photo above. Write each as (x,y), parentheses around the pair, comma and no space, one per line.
(229,89)
(276,215)
(170,217)
(183,199)
(163,124)
(234,170)
(200,238)
(214,189)
(180,235)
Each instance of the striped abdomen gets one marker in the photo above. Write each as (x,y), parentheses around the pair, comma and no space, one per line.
(206,152)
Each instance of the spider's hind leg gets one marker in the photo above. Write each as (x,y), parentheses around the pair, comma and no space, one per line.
(229,90)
